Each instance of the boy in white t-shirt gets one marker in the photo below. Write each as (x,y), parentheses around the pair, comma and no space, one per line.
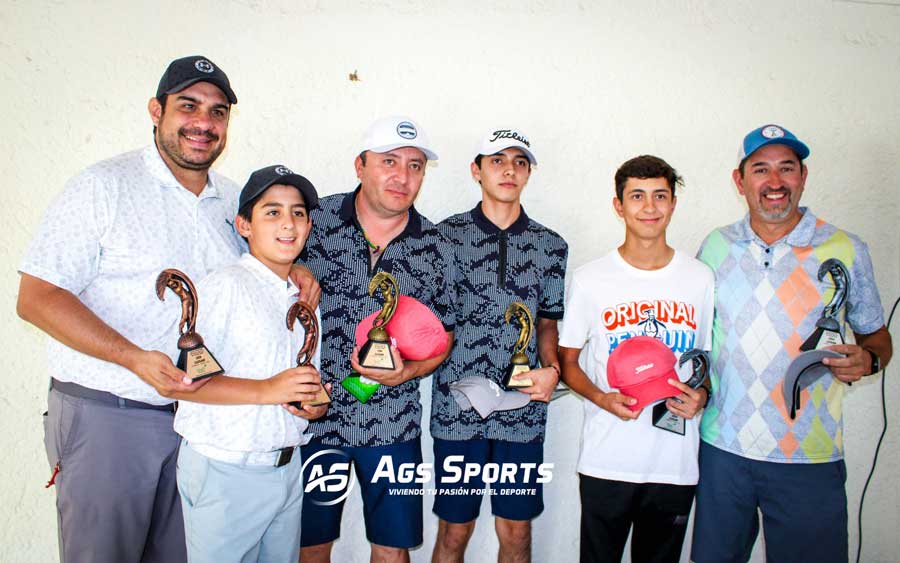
(238,475)
(631,472)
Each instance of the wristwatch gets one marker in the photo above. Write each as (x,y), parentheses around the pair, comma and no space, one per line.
(876,362)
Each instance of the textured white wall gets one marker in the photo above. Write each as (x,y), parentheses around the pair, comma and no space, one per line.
(593,83)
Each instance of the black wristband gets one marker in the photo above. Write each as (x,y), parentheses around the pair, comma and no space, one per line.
(876,362)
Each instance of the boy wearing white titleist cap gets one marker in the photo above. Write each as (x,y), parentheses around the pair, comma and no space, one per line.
(238,473)
(502,256)
(658,301)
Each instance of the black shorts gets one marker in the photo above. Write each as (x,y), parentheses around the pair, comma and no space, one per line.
(659,513)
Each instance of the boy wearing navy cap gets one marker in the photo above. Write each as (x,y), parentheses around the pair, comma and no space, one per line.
(238,475)
(633,473)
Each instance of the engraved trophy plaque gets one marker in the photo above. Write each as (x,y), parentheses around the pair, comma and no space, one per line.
(663,418)
(519,362)
(195,359)
(307,317)
(376,352)
(828,328)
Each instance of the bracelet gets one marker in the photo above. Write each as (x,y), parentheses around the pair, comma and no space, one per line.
(555,368)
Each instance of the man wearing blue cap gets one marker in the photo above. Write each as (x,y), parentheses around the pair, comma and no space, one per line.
(769,296)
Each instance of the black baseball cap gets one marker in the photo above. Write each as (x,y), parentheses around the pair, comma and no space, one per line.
(183,72)
(263,178)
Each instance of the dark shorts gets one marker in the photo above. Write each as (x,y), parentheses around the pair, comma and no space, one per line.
(803,505)
(392,511)
(520,497)
(657,512)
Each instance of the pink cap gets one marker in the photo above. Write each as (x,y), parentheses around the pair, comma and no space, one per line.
(639,368)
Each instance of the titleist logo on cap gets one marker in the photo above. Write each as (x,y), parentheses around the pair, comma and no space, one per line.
(642,368)
(507,134)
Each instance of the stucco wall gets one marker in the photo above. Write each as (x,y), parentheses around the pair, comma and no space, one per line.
(593,83)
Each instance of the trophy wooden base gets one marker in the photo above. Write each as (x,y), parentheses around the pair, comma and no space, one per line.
(516,369)
(322,398)
(198,363)
(376,355)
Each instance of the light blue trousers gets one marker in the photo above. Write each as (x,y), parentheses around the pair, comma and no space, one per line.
(240,513)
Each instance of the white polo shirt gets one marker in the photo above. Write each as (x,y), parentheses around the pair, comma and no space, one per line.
(242,321)
(108,235)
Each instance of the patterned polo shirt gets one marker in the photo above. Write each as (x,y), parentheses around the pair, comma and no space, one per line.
(768,299)
(525,262)
(111,231)
(337,253)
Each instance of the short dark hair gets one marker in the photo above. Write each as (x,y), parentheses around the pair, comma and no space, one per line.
(643,167)
(746,158)
(362,157)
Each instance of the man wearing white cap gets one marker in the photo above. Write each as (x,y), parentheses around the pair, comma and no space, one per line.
(502,256)
(774,284)
(357,234)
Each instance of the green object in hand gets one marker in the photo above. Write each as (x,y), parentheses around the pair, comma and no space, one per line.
(359,387)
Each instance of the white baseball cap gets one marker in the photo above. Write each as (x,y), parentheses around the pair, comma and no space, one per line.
(501,138)
(394,132)
(485,396)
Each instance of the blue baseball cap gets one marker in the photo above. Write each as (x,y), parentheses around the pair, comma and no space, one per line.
(770,135)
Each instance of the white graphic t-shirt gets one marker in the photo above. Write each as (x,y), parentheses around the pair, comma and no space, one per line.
(609,301)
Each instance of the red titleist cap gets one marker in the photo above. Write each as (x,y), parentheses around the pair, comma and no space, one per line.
(639,368)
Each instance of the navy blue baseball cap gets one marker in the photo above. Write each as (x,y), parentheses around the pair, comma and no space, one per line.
(185,71)
(264,178)
(770,135)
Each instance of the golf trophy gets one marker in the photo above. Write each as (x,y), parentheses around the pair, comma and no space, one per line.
(307,317)
(663,418)
(828,328)
(195,359)
(519,362)
(376,352)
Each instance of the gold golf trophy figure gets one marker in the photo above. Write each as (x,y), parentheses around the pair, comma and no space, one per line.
(194,359)
(519,362)
(376,352)
(307,317)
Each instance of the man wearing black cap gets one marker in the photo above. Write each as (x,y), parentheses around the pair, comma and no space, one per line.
(87,280)
(774,285)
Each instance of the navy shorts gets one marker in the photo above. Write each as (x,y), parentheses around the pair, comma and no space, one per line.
(520,497)
(803,505)
(392,511)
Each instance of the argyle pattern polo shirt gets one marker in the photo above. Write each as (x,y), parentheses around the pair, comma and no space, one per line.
(768,299)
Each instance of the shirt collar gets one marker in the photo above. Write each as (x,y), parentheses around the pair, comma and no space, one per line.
(518,227)
(800,235)
(265,275)
(161,172)
(348,215)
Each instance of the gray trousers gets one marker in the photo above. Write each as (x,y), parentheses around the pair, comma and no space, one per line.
(117,498)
